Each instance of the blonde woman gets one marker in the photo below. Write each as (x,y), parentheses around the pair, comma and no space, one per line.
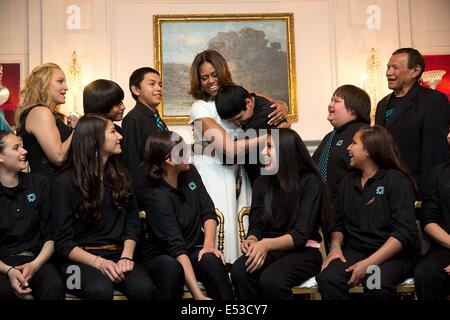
(40,124)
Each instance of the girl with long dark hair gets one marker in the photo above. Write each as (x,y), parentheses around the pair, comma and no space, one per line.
(289,205)
(375,226)
(96,216)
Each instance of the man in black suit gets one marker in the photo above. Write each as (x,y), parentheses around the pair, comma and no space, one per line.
(417,117)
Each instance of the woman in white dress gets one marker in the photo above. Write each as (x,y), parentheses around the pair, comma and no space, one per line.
(209,71)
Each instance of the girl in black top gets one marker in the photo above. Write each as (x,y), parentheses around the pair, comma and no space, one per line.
(375,225)
(26,241)
(282,245)
(96,217)
(432,275)
(105,97)
(39,121)
(182,219)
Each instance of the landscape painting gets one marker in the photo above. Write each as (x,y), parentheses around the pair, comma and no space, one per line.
(259,50)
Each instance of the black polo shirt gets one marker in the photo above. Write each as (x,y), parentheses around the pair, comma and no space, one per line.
(175,215)
(436,198)
(307,216)
(115,227)
(24,215)
(338,161)
(137,126)
(383,208)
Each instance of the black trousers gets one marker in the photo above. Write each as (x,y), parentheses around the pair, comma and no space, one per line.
(281,271)
(333,279)
(46,283)
(137,284)
(431,280)
(168,277)
(212,273)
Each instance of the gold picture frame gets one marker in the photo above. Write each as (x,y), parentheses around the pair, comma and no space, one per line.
(259,48)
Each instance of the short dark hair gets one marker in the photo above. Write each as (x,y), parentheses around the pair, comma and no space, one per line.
(383,150)
(415,58)
(356,101)
(230,100)
(137,76)
(101,95)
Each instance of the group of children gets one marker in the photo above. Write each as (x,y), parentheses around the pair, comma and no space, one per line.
(354,192)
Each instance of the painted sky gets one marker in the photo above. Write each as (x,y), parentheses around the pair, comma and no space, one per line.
(181,41)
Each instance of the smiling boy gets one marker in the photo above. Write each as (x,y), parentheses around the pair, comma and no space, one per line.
(143,120)
(348,111)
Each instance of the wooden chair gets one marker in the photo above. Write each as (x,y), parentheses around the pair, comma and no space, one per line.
(117,295)
(221,230)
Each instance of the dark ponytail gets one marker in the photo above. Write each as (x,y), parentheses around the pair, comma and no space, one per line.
(158,148)
(383,150)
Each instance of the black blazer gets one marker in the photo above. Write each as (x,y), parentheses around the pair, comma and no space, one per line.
(137,126)
(420,128)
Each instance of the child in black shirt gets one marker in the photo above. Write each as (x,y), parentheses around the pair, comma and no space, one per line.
(143,120)
(96,216)
(374,224)
(182,221)
(26,240)
(348,110)
(281,249)
(249,111)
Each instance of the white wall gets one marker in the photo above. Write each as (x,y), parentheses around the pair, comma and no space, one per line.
(431,28)
(14,33)
(120,39)
(332,40)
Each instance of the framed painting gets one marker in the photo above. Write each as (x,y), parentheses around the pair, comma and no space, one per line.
(9,90)
(259,49)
